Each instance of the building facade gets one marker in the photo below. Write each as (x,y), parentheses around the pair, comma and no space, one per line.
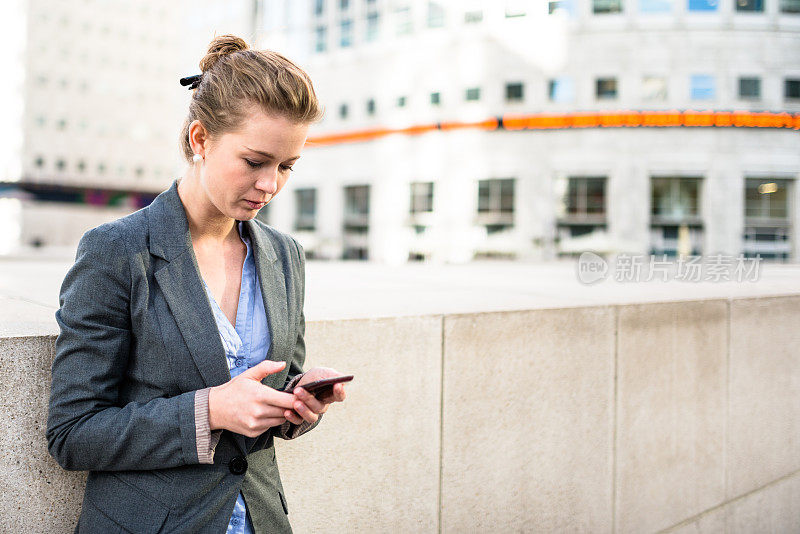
(97,109)
(534,130)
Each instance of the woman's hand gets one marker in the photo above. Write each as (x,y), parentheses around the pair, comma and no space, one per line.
(307,407)
(246,406)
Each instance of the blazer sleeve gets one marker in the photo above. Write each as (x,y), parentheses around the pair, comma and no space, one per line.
(87,428)
(289,430)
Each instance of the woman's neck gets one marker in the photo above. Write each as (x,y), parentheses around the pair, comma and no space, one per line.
(206,223)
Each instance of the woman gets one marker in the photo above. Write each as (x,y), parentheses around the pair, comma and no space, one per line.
(182,323)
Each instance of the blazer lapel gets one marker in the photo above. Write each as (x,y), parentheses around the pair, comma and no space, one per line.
(181,284)
(191,309)
(273,292)
(179,280)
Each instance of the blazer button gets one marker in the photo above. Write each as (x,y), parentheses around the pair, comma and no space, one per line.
(238,465)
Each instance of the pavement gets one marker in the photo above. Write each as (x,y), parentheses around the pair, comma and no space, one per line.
(29,288)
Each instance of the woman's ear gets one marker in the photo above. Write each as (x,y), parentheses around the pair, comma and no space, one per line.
(198,137)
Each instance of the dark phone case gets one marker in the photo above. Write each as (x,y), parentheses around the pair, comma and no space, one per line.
(323,387)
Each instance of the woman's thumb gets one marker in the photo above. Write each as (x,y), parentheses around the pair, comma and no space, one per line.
(267,367)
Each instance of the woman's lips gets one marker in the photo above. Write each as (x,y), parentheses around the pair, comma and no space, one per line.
(255,205)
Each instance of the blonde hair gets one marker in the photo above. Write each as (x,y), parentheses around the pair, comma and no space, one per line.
(236,77)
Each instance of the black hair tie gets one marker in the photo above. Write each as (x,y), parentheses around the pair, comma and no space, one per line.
(192,81)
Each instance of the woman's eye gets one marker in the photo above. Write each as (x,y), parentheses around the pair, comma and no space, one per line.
(286,168)
(254,164)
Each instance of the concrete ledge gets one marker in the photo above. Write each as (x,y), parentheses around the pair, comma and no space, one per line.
(375,467)
(671,396)
(677,416)
(527,434)
(35,492)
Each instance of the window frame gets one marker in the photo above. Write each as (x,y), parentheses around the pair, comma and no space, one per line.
(303,220)
(421,197)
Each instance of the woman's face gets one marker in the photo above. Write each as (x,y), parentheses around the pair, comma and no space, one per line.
(245,169)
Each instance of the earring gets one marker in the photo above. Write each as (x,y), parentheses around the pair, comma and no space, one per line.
(197,158)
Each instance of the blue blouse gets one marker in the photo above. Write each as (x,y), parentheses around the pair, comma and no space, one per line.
(245,345)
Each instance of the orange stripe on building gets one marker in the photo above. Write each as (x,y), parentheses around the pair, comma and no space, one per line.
(601,119)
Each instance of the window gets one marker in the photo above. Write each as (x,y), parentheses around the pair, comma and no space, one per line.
(346,33)
(343,111)
(606,88)
(344,5)
(436,98)
(514,92)
(435,15)
(101,168)
(319,7)
(790,6)
(496,195)
(61,165)
(766,198)
(703,5)
(321,39)
(401,101)
(586,197)
(654,88)
(421,197)
(749,88)
(606,6)
(496,203)
(767,218)
(81,166)
(356,211)
(675,222)
(41,121)
(371,106)
(305,209)
(582,210)
(473,94)
(675,198)
(403,20)
(791,89)
(372,27)
(655,6)
(752,6)
(703,87)
(473,17)
(561,90)
(355,253)
(61,124)
(39,162)
(561,6)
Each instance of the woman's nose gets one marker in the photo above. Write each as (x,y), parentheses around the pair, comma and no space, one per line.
(268,182)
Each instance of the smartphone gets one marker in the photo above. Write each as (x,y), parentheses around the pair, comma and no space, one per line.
(322,388)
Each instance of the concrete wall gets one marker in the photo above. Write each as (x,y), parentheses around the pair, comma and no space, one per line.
(679,417)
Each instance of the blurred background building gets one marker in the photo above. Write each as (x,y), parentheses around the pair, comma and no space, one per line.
(451,184)
(96,109)
(454,130)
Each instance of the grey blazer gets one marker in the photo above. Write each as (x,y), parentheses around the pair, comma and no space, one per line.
(137,351)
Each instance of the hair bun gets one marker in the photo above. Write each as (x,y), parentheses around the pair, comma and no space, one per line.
(223,45)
